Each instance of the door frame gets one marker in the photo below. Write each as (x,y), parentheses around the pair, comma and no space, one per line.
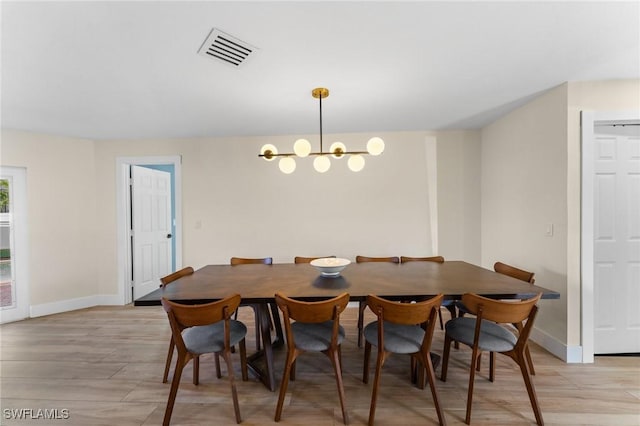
(588,121)
(20,262)
(123,213)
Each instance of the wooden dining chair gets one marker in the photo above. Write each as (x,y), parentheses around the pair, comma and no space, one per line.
(362,305)
(235,261)
(202,329)
(312,326)
(402,328)
(164,281)
(517,273)
(448,304)
(300,259)
(486,333)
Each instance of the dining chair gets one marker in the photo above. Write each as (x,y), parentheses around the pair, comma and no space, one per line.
(164,281)
(402,328)
(520,274)
(202,329)
(300,259)
(485,332)
(362,305)
(312,326)
(448,304)
(235,261)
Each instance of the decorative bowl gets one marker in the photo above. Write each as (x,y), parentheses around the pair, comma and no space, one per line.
(330,266)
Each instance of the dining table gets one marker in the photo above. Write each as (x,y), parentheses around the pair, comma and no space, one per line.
(257,284)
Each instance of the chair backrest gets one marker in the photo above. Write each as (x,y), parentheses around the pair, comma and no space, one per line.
(404,313)
(514,272)
(363,259)
(405,259)
(185,316)
(174,276)
(300,259)
(312,312)
(246,261)
(424,313)
(503,312)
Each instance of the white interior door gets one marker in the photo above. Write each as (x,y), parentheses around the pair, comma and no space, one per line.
(617,239)
(151,228)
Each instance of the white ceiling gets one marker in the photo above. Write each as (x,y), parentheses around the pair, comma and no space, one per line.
(106,70)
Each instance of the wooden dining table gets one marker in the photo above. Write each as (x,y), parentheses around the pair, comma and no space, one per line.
(257,284)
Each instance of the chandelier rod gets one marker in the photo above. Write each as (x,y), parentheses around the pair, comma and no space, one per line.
(320,97)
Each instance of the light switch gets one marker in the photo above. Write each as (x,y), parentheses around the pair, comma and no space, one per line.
(549,230)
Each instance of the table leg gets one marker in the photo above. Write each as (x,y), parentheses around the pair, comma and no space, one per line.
(265,373)
(277,324)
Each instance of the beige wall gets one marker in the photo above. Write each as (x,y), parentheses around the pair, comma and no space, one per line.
(524,190)
(530,179)
(459,195)
(233,204)
(61,197)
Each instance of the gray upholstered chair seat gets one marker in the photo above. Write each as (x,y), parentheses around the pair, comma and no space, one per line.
(398,338)
(493,337)
(210,338)
(315,336)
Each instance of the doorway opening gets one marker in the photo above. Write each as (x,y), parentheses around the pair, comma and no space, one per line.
(124,216)
(599,263)
(14,281)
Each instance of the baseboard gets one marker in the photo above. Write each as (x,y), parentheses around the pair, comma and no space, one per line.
(73,304)
(569,354)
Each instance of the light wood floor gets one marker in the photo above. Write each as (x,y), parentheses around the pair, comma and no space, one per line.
(104,365)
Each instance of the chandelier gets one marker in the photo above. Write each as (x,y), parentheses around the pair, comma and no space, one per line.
(322,163)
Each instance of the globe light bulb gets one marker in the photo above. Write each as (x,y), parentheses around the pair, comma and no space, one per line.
(287,165)
(268,151)
(356,162)
(302,147)
(375,146)
(337,149)
(321,163)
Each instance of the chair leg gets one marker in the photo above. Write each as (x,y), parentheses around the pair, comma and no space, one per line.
(492,366)
(472,374)
(376,386)
(175,382)
(431,377)
(445,358)
(196,370)
(365,368)
(452,310)
(291,358)
(216,358)
(414,371)
(337,368)
(243,360)
(292,375)
(234,393)
(531,390)
(440,318)
(168,364)
(527,354)
(361,307)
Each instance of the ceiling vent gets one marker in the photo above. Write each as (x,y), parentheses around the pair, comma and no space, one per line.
(226,48)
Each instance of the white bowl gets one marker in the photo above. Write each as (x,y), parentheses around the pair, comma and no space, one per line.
(330,266)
